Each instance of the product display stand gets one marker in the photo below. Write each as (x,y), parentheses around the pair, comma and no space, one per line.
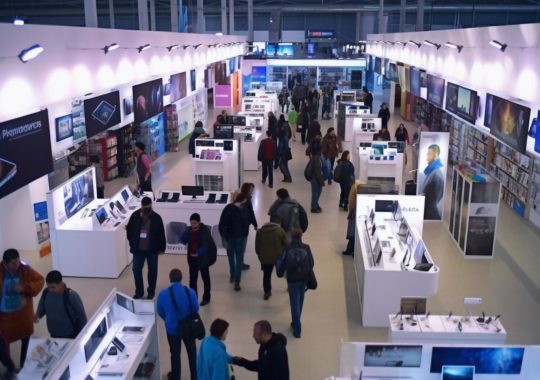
(87,232)
(176,208)
(120,341)
(345,96)
(365,127)
(218,165)
(249,145)
(381,161)
(348,113)
(474,211)
(391,260)
(43,356)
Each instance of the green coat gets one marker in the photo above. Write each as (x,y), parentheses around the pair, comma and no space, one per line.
(269,242)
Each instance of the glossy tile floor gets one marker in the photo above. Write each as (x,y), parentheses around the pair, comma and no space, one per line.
(509,284)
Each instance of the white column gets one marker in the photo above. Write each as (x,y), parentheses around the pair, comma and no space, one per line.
(250,20)
(111,13)
(231,16)
(224,16)
(381,16)
(142,8)
(402,15)
(153,14)
(420,15)
(174,16)
(200,16)
(90,13)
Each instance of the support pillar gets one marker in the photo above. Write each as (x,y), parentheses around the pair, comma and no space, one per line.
(231,16)
(200,16)
(152,14)
(381,16)
(174,16)
(111,14)
(250,20)
(420,16)
(402,10)
(142,8)
(90,14)
(224,17)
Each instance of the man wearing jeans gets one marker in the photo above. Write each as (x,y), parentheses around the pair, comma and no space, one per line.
(269,243)
(172,312)
(234,229)
(316,179)
(266,155)
(146,237)
(296,261)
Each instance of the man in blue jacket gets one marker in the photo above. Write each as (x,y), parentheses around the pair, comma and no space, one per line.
(185,304)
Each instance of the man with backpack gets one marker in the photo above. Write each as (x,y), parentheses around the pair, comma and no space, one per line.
(266,155)
(315,174)
(291,212)
(202,252)
(296,262)
(62,306)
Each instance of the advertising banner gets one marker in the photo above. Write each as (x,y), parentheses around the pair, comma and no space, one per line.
(42,228)
(222,96)
(432,165)
(25,151)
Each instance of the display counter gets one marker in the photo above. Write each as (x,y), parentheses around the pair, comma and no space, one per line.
(120,341)
(391,259)
(348,115)
(365,127)
(217,165)
(445,328)
(249,145)
(381,161)
(176,206)
(87,232)
(43,356)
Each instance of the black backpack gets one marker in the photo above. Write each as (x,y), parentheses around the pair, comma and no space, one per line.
(308,171)
(338,172)
(297,264)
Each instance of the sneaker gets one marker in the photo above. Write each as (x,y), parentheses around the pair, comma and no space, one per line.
(245,267)
(346,253)
(267,295)
(237,286)
(137,296)
(204,302)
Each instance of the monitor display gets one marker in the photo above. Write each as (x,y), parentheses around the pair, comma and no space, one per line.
(486,360)
(194,191)
(223,131)
(508,122)
(178,87)
(101,215)
(393,356)
(435,92)
(95,339)
(101,113)
(453,372)
(399,145)
(378,149)
(193,80)
(419,256)
(125,195)
(258,74)
(125,302)
(236,120)
(78,193)
(66,375)
(310,48)
(64,127)
(383,205)
(280,50)
(148,98)
(396,212)
(467,104)
(452,97)
(415,81)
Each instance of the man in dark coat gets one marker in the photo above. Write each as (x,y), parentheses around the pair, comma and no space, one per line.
(433,186)
(146,237)
(273,363)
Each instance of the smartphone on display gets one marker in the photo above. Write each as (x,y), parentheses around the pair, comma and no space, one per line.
(8,170)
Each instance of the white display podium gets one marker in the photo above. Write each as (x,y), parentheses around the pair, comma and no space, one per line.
(249,145)
(133,323)
(444,328)
(391,260)
(365,127)
(257,120)
(175,210)
(381,161)
(80,244)
(346,96)
(348,115)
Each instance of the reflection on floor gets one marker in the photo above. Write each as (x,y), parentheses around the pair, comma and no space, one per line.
(508,284)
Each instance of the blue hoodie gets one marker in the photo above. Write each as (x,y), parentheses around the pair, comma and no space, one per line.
(213,360)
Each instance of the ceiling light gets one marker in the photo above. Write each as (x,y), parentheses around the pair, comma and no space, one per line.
(401,43)
(185,46)
(498,45)
(417,44)
(111,47)
(18,21)
(219,34)
(143,47)
(454,46)
(30,53)
(197,46)
(429,43)
(172,47)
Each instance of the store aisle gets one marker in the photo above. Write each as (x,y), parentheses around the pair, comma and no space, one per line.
(509,283)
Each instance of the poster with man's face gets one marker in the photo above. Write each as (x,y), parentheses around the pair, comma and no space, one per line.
(432,166)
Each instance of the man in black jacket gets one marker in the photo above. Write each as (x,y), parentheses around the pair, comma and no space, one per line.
(146,237)
(201,254)
(273,363)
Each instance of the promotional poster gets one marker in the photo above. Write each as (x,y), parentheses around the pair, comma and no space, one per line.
(222,96)
(18,137)
(42,228)
(101,113)
(178,87)
(148,99)
(432,166)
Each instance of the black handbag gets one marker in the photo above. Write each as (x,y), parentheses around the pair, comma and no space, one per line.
(191,327)
(311,283)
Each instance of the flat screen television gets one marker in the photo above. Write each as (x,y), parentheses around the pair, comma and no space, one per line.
(64,127)
(435,92)
(223,131)
(467,104)
(148,98)
(95,339)
(507,121)
(178,87)
(415,81)
(193,191)
(486,360)
(125,302)
(384,355)
(310,48)
(78,193)
(378,149)
(378,65)
(419,253)
(455,372)
(392,72)
(236,120)
(101,113)
(451,97)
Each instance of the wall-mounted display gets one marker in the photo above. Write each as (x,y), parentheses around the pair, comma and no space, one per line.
(451,97)
(178,87)
(79,124)
(258,74)
(101,113)
(507,121)
(392,356)
(220,72)
(64,127)
(148,99)
(19,137)
(222,131)
(280,50)
(415,81)
(128,105)
(462,102)
(378,66)
(391,72)
(486,360)
(435,92)
(193,79)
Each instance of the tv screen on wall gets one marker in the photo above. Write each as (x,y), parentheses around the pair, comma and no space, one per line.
(486,360)
(392,72)
(101,113)
(467,104)
(378,65)
(148,99)
(507,121)
(435,92)
(178,87)
(64,127)
(415,81)
(451,97)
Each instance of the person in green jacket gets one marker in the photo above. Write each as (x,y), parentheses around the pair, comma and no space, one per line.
(292,118)
(270,241)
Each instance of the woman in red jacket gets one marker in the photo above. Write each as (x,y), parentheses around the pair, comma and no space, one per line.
(19,283)
(331,147)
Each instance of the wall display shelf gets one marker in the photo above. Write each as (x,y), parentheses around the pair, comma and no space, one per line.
(218,164)
(126,156)
(381,161)
(176,206)
(107,150)
(391,260)
(474,211)
(421,110)
(79,159)
(442,328)
(479,147)
(172,132)
(85,231)
(457,136)
(122,325)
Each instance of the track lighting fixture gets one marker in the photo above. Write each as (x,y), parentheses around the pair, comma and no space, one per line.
(454,46)
(30,53)
(18,21)
(172,47)
(429,43)
(143,47)
(417,44)
(498,45)
(111,47)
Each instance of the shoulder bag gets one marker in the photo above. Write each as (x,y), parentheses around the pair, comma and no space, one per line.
(192,327)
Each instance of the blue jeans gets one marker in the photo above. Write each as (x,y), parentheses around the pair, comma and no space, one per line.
(316,189)
(296,297)
(235,252)
(344,195)
(284,167)
(138,264)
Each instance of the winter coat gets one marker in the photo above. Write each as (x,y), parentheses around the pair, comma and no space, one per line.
(269,242)
(213,360)
(331,146)
(273,363)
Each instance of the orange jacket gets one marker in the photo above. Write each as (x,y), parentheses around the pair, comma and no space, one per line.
(19,324)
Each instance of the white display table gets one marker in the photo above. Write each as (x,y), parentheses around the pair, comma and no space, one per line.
(43,355)
(176,215)
(349,115)
(249,145)
(388,165)
(441,328)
